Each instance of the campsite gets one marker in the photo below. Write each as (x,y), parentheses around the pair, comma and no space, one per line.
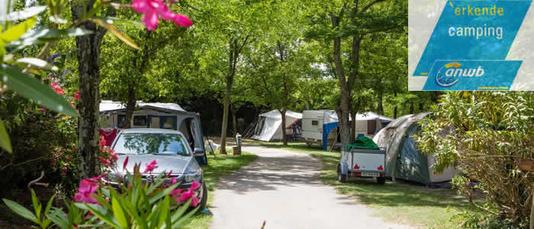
(264,114)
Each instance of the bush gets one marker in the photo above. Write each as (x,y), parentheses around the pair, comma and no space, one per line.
(485,135)
(130,203)
(42,141)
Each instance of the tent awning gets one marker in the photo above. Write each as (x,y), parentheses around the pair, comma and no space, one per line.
(109,106)
(275,114)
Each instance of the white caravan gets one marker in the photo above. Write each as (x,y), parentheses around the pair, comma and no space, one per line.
(316,122)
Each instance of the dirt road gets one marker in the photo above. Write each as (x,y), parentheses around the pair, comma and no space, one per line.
(282,189)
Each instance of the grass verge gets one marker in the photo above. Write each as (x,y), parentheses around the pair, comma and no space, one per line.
(218,166)
(395,202)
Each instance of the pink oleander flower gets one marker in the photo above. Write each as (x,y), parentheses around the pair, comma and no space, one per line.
(195,185)
(86,191)
(76,96)
(175,194)
(152,10)
(102,142)
(151,166)
(181,196)
(55,86)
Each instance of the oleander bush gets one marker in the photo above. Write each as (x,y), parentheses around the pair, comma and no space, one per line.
(129,203)
(485,135)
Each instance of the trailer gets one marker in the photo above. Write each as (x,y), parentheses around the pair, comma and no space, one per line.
(363,163)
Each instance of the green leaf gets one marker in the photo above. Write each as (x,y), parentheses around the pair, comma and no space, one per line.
(37,63)
(20,210)
(43,34)
(164,211)
(154,186)
(99,212)
(59,218)
(33,89)
(25,13)
(49,204)
(183,219)
(111,28)
(5,142)
(163,193)
(180,211)
(15,32)
(118,212)
(36,206)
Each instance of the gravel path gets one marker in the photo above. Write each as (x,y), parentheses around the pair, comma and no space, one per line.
(282,189)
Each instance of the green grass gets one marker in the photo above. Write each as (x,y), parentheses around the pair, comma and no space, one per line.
(218,166)
(395,202)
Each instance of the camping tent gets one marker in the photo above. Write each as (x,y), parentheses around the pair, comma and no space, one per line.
(403,158)
(269,125)
(155,115)
(369,123)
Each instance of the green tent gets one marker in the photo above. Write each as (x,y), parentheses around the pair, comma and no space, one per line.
(403,159)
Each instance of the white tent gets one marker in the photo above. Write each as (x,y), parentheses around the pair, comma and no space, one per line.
(369,123)
(269,126)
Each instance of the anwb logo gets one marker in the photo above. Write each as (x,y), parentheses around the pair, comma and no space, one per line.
(451,73)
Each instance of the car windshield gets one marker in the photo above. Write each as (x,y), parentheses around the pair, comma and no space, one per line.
(151,143)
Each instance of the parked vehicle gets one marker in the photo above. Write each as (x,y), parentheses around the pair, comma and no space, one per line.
(319,126)
(366,163)
(155,115)
(168,147)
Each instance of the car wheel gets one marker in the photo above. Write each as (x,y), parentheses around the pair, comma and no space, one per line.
(204,198)
(381,180)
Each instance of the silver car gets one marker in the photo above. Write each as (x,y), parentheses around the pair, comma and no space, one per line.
(168,147)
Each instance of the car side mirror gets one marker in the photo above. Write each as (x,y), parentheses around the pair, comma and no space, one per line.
(198,152)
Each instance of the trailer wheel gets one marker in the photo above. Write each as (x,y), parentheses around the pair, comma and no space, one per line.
(341,177)
(381,180)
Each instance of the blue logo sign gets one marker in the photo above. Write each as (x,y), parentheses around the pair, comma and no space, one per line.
(470,33)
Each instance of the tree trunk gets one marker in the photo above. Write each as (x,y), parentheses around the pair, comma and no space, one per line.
(353,125)
(87,52)
(139,64)
(380,105)
(343,108)
(224,127)
(395,108)
(284,131)
(130,105)
(229,79)
(343,113)
(234,120)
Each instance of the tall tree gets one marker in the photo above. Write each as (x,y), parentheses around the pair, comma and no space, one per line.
(88,54)
(228,28)
(349,23)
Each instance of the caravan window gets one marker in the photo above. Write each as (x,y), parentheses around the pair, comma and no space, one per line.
(139,121)
(168,122)
(121,121)
(315,123)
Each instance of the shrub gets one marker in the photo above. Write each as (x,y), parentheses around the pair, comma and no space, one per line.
(42,141)
(133,203)
(485,135)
